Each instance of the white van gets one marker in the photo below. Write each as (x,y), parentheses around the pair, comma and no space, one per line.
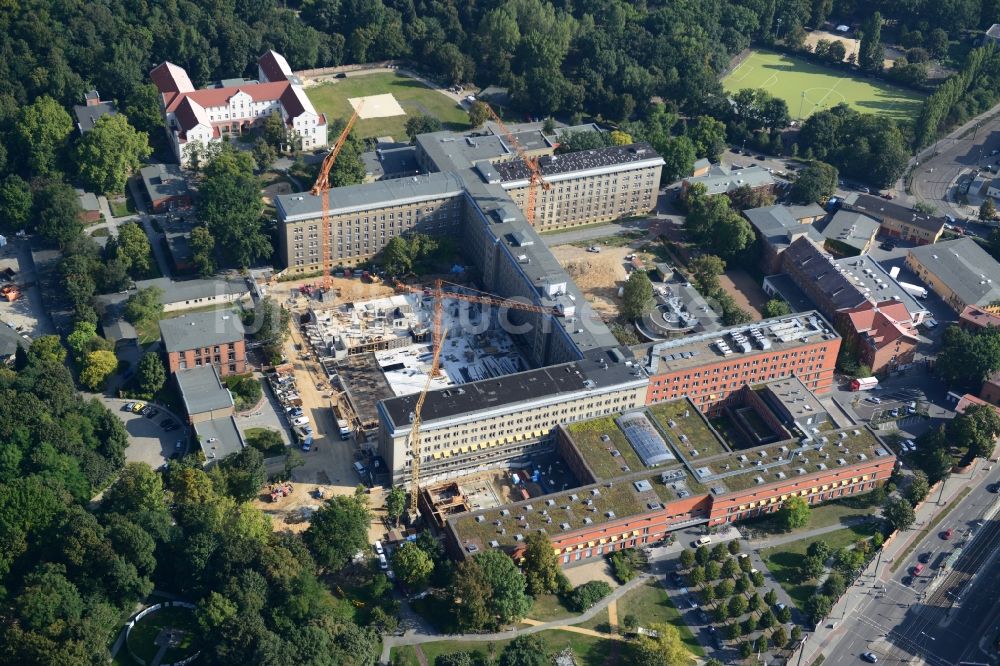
(704,541)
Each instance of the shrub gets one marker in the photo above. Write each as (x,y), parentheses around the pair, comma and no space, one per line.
(588,594)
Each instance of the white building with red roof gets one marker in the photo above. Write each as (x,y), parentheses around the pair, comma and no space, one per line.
(200,117)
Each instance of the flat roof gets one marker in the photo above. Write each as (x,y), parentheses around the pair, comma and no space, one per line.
(202,390)
(795,397)
(357,198)
(965,267)
(219,438)
(553,383)
(872,279)
(10,340)
(722,179)
(851,228)
(596,159)
(203,329)
(449,151)
(163,180)
(778,225)
(773,335)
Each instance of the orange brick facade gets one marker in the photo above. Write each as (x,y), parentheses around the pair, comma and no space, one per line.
(228,359)
(652,527)
(709,384)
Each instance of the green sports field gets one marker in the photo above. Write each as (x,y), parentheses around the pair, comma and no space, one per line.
(412,95)
(814,88)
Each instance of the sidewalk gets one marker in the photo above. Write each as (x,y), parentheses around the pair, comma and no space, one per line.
(834,625)
(389,642)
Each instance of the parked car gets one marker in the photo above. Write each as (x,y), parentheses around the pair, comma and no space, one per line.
(128,406)
(152,413)
(948,534)
(379,550)
(138,407)
(300,421)
(874,400)
(383,563)
(924,558)
(993,488)
(917,569)
(870,657)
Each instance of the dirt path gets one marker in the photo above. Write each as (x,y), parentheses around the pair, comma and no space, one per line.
(744,290)
(613,614)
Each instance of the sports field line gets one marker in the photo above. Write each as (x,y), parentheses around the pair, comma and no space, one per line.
(740,70)
(823,99)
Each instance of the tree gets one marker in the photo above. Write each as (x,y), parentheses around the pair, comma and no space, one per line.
(778,637)
(771,597)
(834,585)
(229,204)
(395,503)
(919,487)
(977,427)
(817,607)
(745,197)
(421,124)
(937,43)
(40,135)
(812,567)
(396,256)
(269,325)
(638,296)
(142,108)
(16,201)
(203,250)
(816,183)
(730,567)
(744,584)
(696,576)
(540,566)
(620,138)
(734,548)
(666,649)
(586,595)
(745,564)
(755,602)
(110,152)
(57,213)
(898,513)
(725,588)
(708,136)
(151,375)
(712,570)
(98,366)
(528,650)
(720,613)
(338,530)
(144,307)
(132,246)
(274,132)
(705,271)
(471,596)
(678,153)
(708,594)
(794,513)
(819,550)
(776,308)
(988,210)
(47,349)
(871,53)
(784,614)
(263,154)
(549,126)
(737,606)
(478,114)
(412,565)
(686,558)
(349,169)
(508,601)
(746,651)
(767,620)
(702,555)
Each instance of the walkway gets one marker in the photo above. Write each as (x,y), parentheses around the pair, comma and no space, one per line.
(578,630)
(390,642)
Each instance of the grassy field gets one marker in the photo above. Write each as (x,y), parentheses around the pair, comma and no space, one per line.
(141,639)
(589,650)
(650,604)
(815,88)
(548,607)
(413,96)
(784,561)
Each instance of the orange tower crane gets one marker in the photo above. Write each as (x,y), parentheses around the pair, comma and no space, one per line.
(415,431)
(321,188)
(531,162)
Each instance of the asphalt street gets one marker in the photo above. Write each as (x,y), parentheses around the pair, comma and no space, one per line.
(908,615)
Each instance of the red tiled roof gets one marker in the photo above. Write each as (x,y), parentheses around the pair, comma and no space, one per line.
(169,78)
(210,97)
(882,323)
(274,66)
(968,400)
(978,317)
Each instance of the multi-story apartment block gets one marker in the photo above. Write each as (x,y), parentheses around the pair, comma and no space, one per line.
(200,117)
(476,425)
(588,186)
(648,472)
(207,338)
(708,367)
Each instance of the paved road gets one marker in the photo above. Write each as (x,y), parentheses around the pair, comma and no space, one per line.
(899,616)
(595,232)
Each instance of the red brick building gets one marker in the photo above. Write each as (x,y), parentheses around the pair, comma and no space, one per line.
(974,318)
(882,333)
(699,367)
(208,338)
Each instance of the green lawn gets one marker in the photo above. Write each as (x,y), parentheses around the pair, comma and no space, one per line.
(650,604)
(141,639)
(413,96)
(784,561)
(589,650)
(812,88)
(120,207)
(548,607)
